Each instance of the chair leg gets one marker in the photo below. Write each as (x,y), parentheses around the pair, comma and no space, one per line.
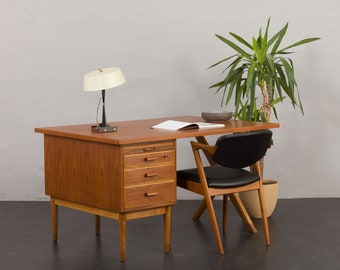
(225,213)
(235,199)
(200,210)
(214,223)
(264,216)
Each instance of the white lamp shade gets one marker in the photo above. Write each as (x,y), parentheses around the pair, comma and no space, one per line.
(105,78)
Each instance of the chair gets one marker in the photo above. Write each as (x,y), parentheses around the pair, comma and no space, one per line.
(230,154)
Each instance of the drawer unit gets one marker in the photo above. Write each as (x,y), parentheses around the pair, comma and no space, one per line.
(149,175)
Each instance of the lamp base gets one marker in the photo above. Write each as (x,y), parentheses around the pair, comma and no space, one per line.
(101,129)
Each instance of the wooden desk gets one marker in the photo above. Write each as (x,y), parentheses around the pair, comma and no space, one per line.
(125,175)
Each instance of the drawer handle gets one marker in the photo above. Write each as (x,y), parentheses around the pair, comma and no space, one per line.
(150,174)
(151,194)
(150,159)
(149,149)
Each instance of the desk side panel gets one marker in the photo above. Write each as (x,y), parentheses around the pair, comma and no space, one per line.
(84,172)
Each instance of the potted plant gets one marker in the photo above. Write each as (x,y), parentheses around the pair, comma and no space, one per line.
(258,76)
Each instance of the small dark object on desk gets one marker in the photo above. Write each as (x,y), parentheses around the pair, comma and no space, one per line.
(216,116)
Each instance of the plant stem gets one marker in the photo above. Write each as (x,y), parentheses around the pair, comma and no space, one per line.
(266,107)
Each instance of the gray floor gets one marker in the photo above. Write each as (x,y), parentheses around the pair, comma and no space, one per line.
(305,234)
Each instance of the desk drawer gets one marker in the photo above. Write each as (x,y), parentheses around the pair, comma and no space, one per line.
(145,196)
(154,173)
(149,159)
(149,147)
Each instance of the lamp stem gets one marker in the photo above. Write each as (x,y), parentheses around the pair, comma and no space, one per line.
(103,124)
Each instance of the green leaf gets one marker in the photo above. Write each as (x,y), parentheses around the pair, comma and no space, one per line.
(250,84)
(241,40)
(224,60)
(267,29)
(277,38)
(301,42)
(235,47)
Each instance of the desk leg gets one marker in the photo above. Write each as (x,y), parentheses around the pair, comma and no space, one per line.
(167,228)
(54,219)
(97,224)
(122,236)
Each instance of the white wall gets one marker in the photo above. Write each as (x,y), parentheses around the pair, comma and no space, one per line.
(164,49)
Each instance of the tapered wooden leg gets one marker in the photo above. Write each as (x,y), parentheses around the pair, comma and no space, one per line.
(97,224)
(264,216)
(122,237)
(167,229)
(54,219)
(225,213)
(235,199)
(199,210)
(214,224)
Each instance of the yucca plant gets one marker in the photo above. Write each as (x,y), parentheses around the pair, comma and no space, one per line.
(262,72)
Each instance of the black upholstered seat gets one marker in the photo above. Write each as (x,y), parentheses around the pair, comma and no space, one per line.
(216,176)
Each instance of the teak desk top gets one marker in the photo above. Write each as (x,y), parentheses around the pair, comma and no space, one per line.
(139,131)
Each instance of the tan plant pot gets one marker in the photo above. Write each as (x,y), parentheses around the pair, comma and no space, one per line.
(251,202)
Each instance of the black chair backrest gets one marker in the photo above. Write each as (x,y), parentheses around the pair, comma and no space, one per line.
(241,150)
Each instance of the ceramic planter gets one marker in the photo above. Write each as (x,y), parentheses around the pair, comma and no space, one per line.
(251,202)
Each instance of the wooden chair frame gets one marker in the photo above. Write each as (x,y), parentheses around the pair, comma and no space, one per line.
(209,193)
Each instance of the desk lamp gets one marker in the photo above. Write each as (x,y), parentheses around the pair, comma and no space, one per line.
(102,79)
